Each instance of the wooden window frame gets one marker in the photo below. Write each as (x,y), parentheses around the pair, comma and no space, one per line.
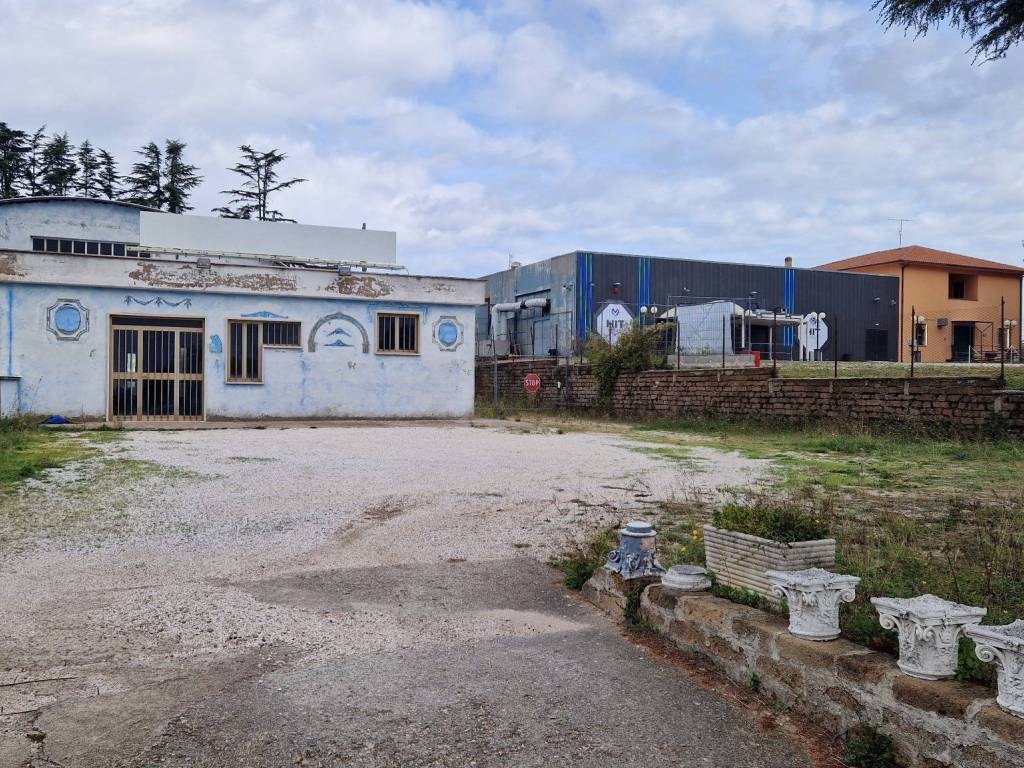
(230,346)
(296,345)
(396,315)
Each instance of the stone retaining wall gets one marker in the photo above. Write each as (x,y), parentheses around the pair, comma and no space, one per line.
(838,685)
(962,403)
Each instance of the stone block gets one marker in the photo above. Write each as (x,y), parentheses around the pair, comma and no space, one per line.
(866,668)
(979,757)
(759,629)
(774,671)
(943,697)
(814,654)
(1003,724)
(687,633)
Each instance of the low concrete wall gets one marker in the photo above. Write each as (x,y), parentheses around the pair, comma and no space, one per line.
(961,403)
(838,685)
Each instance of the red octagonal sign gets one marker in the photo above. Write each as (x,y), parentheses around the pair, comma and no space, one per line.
(531,382)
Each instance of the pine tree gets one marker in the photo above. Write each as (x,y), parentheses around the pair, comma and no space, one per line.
(33,168)
(109,181)
(145,182)
(993,26)
(13,151)
(180,177)
(252,199)
(88,184)
(59,170)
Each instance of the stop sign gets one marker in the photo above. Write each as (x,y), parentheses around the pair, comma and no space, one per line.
(531,382)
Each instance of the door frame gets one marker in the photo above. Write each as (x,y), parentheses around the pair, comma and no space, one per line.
(965,324)
(140,377)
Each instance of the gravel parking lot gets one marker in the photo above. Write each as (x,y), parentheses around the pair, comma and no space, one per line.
(366,594)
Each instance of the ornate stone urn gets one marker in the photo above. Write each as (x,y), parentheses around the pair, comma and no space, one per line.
(814,596)
(686,578)
(637,555)
(930,629)
(1004,646)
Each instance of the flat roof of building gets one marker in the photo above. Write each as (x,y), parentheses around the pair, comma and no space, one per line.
(74,199)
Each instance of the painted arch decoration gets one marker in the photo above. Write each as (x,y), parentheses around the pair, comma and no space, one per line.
(339,335)
(448,333)
(67,319)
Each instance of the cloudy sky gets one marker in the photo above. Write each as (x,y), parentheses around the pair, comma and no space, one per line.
(741,130)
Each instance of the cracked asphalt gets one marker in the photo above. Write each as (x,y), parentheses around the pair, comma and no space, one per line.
(361,595)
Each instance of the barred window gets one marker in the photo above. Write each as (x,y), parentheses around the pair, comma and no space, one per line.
(398,333)
(279,333)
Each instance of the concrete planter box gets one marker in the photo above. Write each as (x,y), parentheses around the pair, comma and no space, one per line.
(740,560)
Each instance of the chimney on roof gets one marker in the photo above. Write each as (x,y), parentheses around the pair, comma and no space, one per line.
(789,262)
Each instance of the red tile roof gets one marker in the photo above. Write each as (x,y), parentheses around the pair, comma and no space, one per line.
(917,254)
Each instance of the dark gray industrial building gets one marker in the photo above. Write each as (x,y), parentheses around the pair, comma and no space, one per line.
(549,306)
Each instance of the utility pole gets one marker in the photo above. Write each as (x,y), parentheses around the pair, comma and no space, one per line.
(1002,340)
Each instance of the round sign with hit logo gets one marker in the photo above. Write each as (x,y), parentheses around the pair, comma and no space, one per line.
(532,382)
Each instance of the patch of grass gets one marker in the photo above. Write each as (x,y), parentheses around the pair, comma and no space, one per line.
(27,449)
(824,369)
(583,558)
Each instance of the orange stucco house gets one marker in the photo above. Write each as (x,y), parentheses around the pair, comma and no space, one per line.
(956,299)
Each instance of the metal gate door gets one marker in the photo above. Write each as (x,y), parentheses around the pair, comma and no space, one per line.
(156,369)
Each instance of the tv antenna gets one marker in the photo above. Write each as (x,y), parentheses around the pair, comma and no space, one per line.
(901,222)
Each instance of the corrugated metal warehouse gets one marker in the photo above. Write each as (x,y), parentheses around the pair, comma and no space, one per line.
(569,297)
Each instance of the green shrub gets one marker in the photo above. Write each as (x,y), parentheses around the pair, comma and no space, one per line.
(867,747)
(635,350)
(776,519)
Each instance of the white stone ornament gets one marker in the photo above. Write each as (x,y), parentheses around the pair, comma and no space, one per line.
(930,629)
(814,596)
(1004,646)
(688,578)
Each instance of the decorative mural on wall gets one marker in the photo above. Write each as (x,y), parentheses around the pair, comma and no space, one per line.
(159,301)
(339,335)
(216,345)
(266,315)
(67,319)
(448,333)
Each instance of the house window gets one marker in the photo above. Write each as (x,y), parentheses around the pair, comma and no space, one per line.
(278,333)
(920,334)
(964,287)
(82,247)
(398,334)
(245,352)
(246,340)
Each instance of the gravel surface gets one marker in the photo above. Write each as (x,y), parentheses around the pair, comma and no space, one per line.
(210,592)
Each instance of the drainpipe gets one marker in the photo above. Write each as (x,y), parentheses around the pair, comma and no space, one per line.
(903,270)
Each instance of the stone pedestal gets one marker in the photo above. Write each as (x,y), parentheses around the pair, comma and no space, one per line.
(636,556)
(1004,646)
(930,629)
(814,596)
(686,578)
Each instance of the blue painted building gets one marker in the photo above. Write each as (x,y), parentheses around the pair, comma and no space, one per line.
(592,292)
(100,321)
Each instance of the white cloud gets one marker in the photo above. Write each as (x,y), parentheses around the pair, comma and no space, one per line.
(710,128)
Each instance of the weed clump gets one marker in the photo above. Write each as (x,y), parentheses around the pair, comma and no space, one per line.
(867,747)
(778,519)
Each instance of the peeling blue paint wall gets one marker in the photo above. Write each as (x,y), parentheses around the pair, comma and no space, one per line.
(72,219)
(69,377)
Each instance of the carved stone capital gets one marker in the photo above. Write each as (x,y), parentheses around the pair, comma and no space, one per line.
(929,631)
(814,596)
(1004,646)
